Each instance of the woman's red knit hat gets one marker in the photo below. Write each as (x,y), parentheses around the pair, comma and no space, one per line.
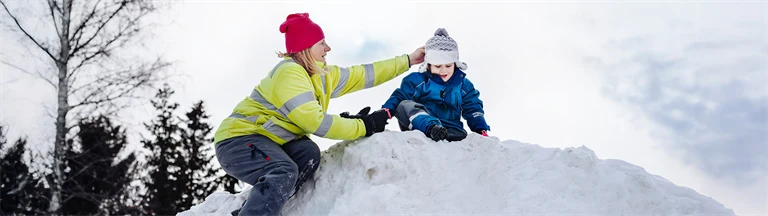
(300,32)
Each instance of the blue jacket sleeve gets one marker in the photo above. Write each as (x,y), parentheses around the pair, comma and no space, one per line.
(405,92)
(472,108)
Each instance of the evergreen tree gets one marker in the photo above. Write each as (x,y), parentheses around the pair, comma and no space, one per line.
(165,191)
(181,171)
(96,177)
(17,182)
(196,166)
(227,182)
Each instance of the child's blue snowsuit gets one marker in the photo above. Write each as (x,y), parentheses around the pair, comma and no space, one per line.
(424,100)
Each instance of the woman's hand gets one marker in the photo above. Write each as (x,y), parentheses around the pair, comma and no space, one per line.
(374,122)
(417,57)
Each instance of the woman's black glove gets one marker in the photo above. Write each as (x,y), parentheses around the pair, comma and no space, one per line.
(374,122)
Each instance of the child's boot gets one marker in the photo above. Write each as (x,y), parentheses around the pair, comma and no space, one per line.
(438,132)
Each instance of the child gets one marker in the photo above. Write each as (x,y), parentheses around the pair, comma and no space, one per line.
(434,99)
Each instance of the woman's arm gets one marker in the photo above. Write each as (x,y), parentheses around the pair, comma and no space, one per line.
(346,80)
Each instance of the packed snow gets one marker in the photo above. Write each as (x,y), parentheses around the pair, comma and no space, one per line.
(406,173)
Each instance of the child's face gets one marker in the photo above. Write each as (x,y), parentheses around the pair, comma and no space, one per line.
(444,70)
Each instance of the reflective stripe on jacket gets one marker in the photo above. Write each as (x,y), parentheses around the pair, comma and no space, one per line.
(289,103)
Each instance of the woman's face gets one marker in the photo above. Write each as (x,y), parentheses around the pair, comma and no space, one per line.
(319,50)
(444,70)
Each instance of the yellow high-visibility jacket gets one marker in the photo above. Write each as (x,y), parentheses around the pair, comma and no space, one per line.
(289,103)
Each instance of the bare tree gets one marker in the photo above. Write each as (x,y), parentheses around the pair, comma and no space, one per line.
(93,46)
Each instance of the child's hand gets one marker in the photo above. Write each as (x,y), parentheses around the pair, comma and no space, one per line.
(481,132)
(417,57)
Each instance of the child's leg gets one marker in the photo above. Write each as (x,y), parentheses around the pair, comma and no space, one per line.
(411,115)
(306,154)
(258,161)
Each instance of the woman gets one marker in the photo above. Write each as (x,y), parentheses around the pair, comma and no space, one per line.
(265,143)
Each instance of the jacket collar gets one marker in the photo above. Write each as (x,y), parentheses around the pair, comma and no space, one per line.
(458,76)
(318,63)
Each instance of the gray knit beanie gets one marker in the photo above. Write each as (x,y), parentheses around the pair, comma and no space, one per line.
(442,49)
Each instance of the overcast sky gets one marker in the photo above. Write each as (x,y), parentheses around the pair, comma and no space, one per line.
(679,88)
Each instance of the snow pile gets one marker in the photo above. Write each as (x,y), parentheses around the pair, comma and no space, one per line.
(405,173)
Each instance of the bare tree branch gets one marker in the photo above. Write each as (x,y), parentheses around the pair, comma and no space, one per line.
(84,195)
(98,30)
(105,48)
(79,32)
(86,167)
(125,85)
(51,6)
(45,49)
(17,68)
(107,108)
(56,6)
(121,93)
(85,61)
(38,73)
(69,18)
(21,186)
(91,74)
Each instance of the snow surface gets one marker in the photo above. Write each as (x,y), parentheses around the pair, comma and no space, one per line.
(405,173)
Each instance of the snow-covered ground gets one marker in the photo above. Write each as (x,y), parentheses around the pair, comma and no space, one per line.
(405,173)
